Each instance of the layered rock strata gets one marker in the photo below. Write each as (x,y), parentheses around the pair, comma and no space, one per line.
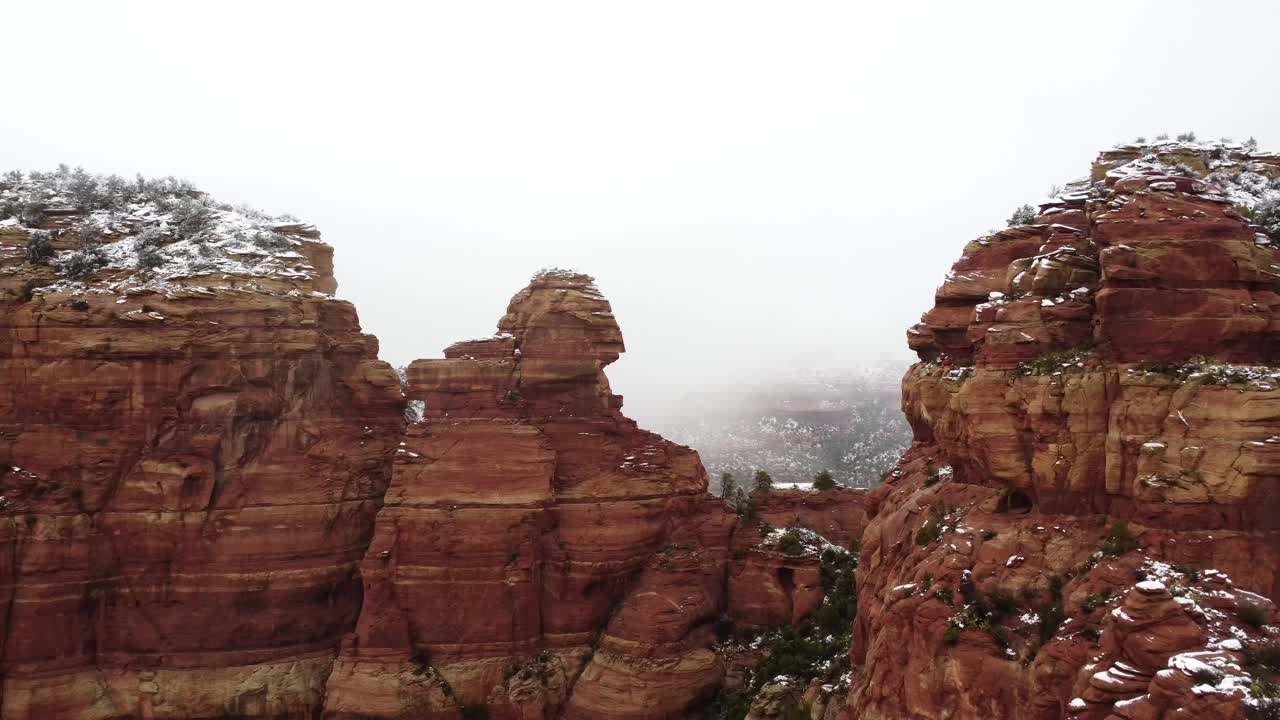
(537,552)
(539,555)
(1097,392)
(194,448)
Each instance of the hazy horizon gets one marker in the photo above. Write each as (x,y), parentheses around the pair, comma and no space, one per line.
(759,189)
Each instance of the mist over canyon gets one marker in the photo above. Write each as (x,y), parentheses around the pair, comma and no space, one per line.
(218,502)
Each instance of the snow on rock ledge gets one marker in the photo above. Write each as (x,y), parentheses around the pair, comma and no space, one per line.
(74,232)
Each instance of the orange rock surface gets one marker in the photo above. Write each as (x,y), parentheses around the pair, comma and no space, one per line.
(191,471)
(537,552)
(1068,441)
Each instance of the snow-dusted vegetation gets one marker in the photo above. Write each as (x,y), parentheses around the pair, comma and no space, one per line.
(850,424)
(1234,172)
(143,231)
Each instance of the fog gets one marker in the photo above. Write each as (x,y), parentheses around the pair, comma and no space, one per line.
(759,188)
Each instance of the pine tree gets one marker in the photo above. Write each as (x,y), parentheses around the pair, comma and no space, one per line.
(728,486)
(824,481)
(762,482)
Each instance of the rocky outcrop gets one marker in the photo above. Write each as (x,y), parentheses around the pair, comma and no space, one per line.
(839,515)
(1176,656)
(540,555)
(209,491)
(1096,393)
(195,439)
(537,550)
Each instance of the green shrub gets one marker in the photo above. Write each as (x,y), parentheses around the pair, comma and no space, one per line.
(762,481)
(952,635)
(1158,367)
(1206,676)
(1024,215)
(1267,216)
(1265,704)
(1051,362)
(539,666)
(189,218)
(1055,588)
(84,262)
(1001,639)
(933,527)
(1002,603)
(817,648)
(39,249)
(1254,615)
(420,656)
(1093,601)
(1262,655)
(936,475)
(1118,540)
(728,487)
(723,627)
(790,544)
(1051,620)
(928,533)
(824,481)
(151,237)
(1268,709)
(149,258)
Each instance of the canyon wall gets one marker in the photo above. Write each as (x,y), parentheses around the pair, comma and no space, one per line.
(536,548)
(1088,517)
(216,502)
(193,457)
(540,555)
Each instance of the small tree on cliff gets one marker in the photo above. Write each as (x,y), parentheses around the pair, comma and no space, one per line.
(1267,216)
(1024,215)
(824,481)
(762,482)
(727,487)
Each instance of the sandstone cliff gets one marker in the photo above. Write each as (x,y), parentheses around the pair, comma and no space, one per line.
(209,491)
(1087,523)
(195,439)
(539,555)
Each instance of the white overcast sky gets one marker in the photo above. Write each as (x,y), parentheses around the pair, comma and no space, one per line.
(758,187)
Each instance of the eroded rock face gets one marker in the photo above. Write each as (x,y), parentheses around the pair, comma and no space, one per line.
(192,462)
(529,524)
(1067,441)
(540,555)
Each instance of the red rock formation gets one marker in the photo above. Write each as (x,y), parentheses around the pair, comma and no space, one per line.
(192,462)
(1165,656)
(1066,438)
(541,555)
(838,515)
(529,524)
(196,440)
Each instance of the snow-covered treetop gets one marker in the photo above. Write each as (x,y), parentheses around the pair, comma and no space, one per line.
(96,230)
(1239,173)
(565,274)
(1236,173)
